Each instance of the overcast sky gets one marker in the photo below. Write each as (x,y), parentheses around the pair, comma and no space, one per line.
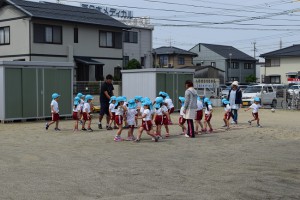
(232,22)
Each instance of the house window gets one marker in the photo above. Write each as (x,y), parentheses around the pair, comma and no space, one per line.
(125,61)
(248,66)
(274,62)
(75,35)
(181,60)
(47,34)
(233,78)
(4,35)
(234,65)
(130,37)
(213,64)
(163,60)
(275,79)
(110,39)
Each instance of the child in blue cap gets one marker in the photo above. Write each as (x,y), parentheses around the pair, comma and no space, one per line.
(160,116)
(208,116)
(131,117)
(255,106)
(54,112)
(181,118)
(112,113)
(120,112)
(76,112)
(87,113)
(227,114)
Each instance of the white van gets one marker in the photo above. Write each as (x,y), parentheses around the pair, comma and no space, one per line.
(265,92)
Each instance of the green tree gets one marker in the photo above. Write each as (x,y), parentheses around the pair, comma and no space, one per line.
(250,79)
(133,64)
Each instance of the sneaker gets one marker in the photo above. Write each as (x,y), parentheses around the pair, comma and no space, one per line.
(137,140)
(224,126)
(47,126)
(167,134)
(83,129)
(115,127)
(90,130)
(109,128)
(118,139)
(99,126)
(249,122)
(203,130)
(156,138)
(170,123)
(227,128)
(57,129)
(258,126)
(210,130)
(186,135)
(130,138)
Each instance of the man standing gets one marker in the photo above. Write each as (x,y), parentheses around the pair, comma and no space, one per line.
(105,93)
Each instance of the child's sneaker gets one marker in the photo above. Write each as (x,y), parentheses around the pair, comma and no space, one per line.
(57,129)
(186,135)
(156,139)
(99,126)
(90,130)
(167,134)
(130,138)
(137,140)
(224,126)
(203,130)
(83,129)
(109,128)
(47,126)
(210,130)
(258,126)
(118,139)
(249,122)
(115,127)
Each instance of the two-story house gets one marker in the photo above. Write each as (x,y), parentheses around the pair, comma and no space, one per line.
(172,57)
(43,31)
(282,66)
(236,64)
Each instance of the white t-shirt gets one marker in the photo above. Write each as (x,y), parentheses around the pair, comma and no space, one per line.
(142,110)
(55,106)
(120,111)
(199,105)
(77,108)
(131,116)
(208,111)
(112,107)
(147,112)
(181,111)
(169,103)
(255,107)
(227,108)
(86,107)
(232,100)
(161,110)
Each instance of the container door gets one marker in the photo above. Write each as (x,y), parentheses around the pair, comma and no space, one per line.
(29,91)
(13,93)
(40,93)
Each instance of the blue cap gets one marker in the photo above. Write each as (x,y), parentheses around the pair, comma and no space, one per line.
(88,97)
(146,103)
(80,95)
(124,97)
(112,98)
(163,94)
(131,104)
(182,99)
(158,102)
(226,102)
(223,100)
(206,100)
(257,99)
(55,95)
(138,98)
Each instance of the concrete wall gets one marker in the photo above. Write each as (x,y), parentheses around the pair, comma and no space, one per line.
(141,49)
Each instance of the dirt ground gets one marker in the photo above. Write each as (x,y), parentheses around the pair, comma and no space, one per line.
(244,163)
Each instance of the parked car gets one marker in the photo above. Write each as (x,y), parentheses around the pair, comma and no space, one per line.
(243,87)
(265,92)
(280,89)
(224,93)
(294,89)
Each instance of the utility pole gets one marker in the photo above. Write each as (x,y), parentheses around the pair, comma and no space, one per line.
(254,49)
(280,44)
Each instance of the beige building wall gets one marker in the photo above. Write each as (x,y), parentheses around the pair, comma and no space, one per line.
(286,65)
(173,61)
(19,34)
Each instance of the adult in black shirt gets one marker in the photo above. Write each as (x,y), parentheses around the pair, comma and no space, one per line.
(105,93)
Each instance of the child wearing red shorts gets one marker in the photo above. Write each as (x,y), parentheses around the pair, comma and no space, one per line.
(86,113)
(54,112)
(208,116)
(160,116)
(199,115)
(227,114)
(255,106)
(76,112)
(181,119)
(120,111)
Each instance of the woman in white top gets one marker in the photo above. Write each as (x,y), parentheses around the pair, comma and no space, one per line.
(235,100)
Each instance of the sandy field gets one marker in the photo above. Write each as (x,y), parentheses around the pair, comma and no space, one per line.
(244,163)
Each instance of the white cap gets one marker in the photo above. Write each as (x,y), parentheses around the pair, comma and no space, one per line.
(235,83)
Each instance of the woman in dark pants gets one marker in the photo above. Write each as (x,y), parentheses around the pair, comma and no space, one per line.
(235,99)
(190,107)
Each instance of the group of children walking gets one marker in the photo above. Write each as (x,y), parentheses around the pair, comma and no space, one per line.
(122,111)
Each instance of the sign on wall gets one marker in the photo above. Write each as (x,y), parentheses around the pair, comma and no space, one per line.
(113,12)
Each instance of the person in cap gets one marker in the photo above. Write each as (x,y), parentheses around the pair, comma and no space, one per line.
(120,111)
(199,115)
(160,116)
(112,113)
(208,115)
(190,107)
(131,117)
(181,118)
(235,100)
(138,101)
(76,112)
(169,103)
(106,92)
(227,114)
(255,106)
(81,103)
(147,122)
(54,112)
(87,113)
